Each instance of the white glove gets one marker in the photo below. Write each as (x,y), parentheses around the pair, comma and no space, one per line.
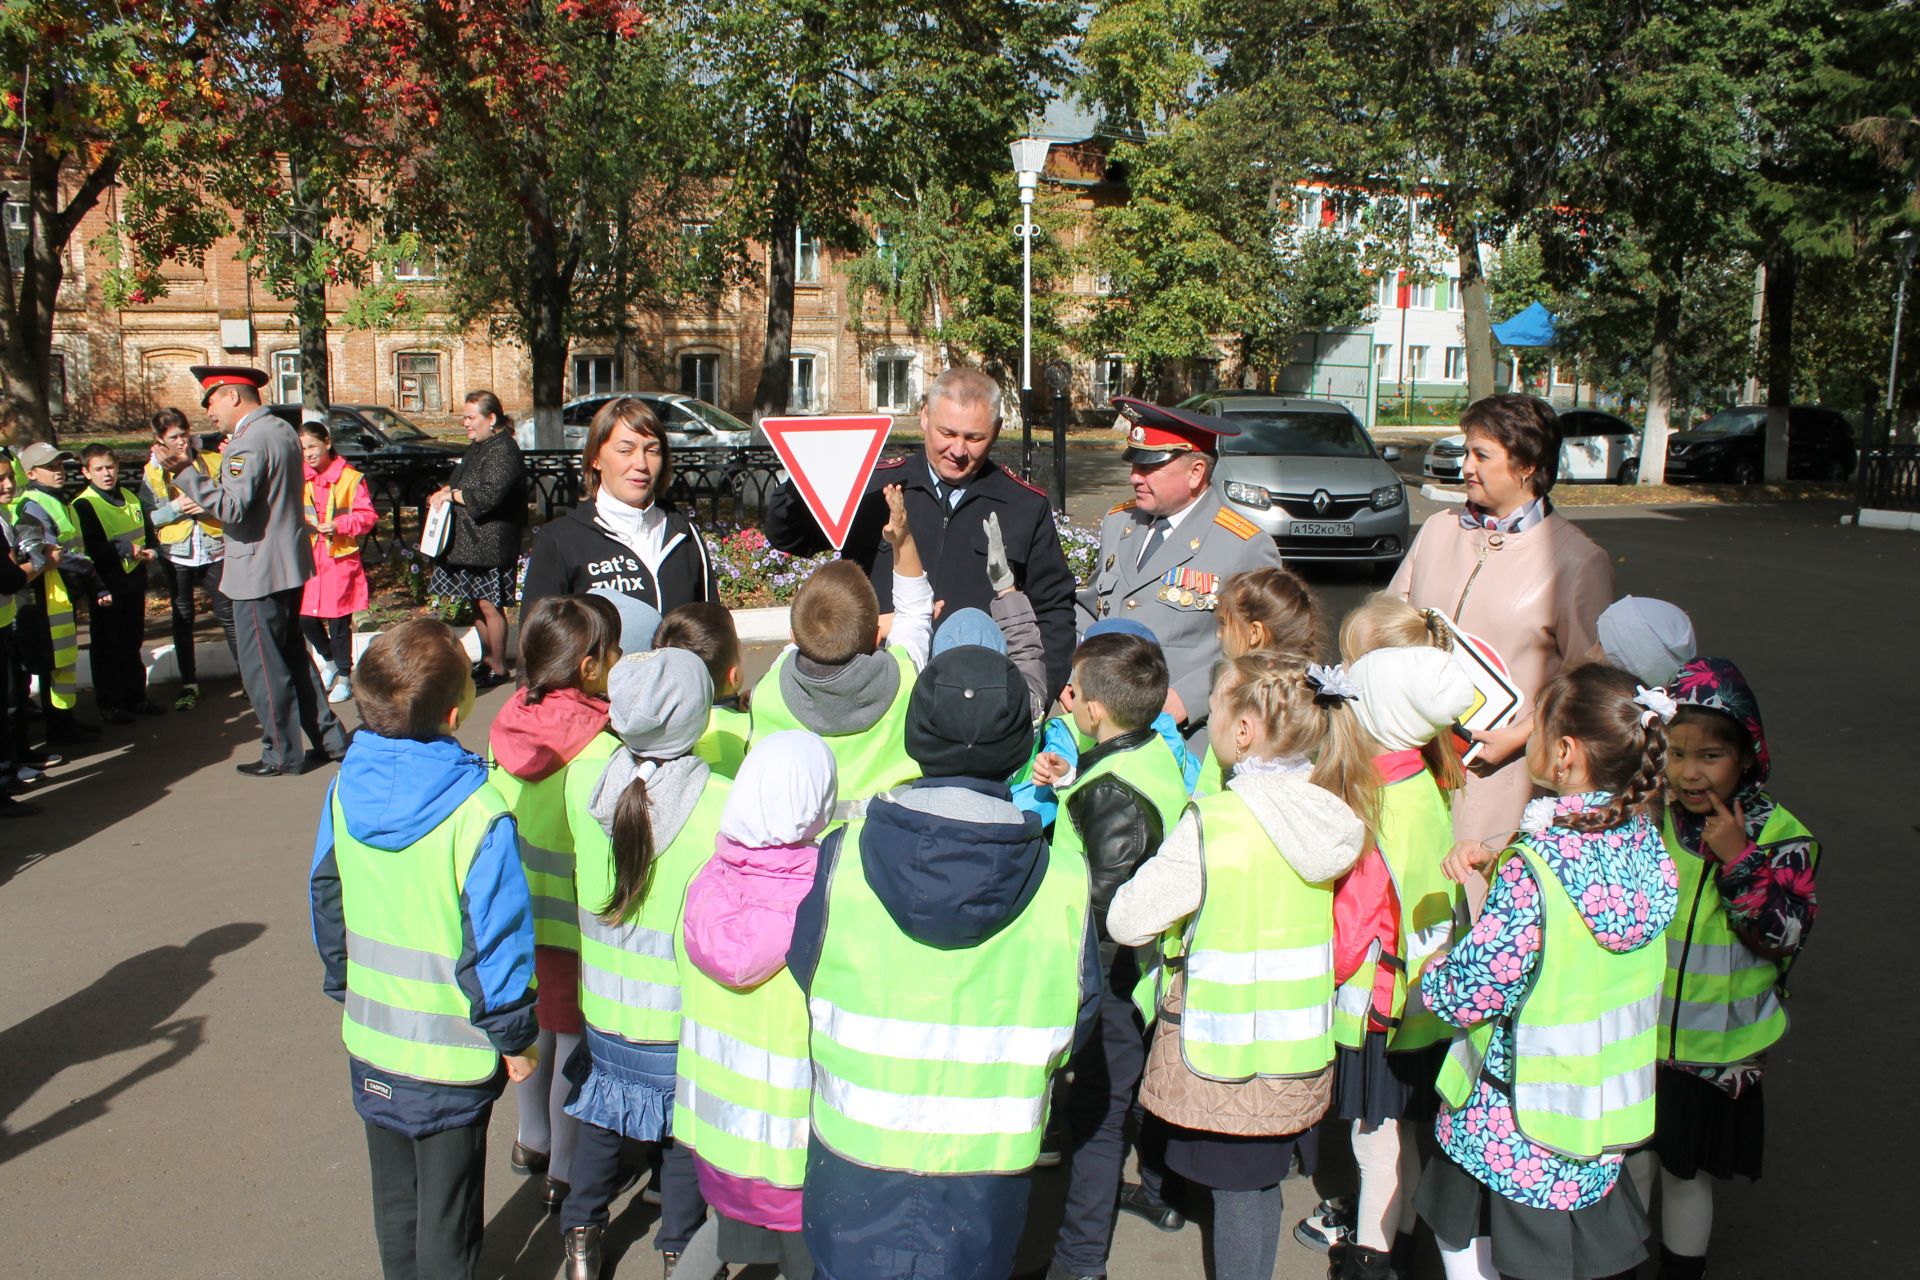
(999,570)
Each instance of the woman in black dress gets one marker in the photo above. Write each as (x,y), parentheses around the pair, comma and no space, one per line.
(488,490)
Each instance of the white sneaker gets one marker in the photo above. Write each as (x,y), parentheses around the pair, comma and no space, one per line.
(328,673)
(341,690)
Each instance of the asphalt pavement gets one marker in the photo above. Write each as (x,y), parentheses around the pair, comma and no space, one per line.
(173,1094)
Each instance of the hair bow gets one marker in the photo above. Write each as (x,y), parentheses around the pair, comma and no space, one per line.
(1331,684)
(1658,702)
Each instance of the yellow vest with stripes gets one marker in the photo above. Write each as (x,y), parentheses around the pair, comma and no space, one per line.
(546,852)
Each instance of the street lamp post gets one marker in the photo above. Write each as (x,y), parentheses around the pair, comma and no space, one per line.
(1029,157)
(1904,240)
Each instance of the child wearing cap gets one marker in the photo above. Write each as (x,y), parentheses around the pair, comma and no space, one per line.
(930,1088)
(838,681)
(1649,639)
(49,636)
(643,812)
(706,630)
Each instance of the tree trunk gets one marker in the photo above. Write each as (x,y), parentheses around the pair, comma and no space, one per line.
(1476,323)
(546,314)
(308,225)
(1666,328)
(1781,272)
(789,195)
(30,290)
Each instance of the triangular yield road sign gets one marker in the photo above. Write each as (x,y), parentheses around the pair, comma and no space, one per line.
(830,460)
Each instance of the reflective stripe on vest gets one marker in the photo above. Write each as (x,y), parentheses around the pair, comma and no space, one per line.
(947,1068)
(629,986)
(1721,1001)
(1414,832)
(1259,998)
(339,498)
(546,853)
(866,763)
(744,1077)
(63,635)
(122,525)
(405,1011)
(1583,1035)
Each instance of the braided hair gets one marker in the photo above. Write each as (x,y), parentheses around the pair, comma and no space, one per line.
(1273,691)
(1626,744)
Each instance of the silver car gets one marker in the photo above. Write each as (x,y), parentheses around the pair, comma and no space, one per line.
(690,423)
(1308,474)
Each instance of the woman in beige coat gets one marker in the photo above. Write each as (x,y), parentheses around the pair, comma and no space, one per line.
(1510,570)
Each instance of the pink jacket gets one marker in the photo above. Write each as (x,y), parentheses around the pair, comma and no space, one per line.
(736,927)
(338,587)
(1536,597)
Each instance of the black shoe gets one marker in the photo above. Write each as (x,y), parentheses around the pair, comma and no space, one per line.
(1058,1272)
(526,1162)
(580,1253)
(261,769)
(115,716)
(1353,1262)
(1162,1216)
(1680,1266)
(491,679)
(554,1194)
(147,707)
(320,757)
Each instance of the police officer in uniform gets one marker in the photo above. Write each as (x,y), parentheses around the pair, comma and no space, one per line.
(951,490)
(258,496)
(1165,552)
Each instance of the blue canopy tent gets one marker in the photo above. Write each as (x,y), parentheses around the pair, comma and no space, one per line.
(1532,327)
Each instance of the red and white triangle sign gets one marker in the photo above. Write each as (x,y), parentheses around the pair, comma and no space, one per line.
(830,460)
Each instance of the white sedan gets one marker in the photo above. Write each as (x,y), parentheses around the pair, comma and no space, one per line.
(1595,448)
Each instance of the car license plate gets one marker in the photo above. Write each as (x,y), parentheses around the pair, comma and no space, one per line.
(1321,528)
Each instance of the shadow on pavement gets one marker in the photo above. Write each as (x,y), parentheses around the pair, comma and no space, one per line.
(127,1008)
(523,1240)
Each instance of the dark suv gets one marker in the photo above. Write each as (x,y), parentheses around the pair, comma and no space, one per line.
(365,432)
(1731,446)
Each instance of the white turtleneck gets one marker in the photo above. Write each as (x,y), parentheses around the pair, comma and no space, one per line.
(642,530)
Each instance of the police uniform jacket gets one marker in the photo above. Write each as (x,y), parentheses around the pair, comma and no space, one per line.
(259,497)
(953,545)
(1209,546)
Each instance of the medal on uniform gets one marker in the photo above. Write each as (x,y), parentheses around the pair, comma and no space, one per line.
(1194,545)
(1109,568)
(1186,599)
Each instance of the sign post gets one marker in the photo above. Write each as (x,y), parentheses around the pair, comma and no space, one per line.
(830,460)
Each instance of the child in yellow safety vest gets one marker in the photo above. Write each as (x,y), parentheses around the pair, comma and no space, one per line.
(1555,991)
(568,644)
(47,628)
(339,513)
(1747,906)
(741,1100)
(1240,900)
(113,528)
(706,630)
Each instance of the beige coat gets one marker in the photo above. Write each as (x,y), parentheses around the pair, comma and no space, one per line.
(1263,1107)
(1536,597)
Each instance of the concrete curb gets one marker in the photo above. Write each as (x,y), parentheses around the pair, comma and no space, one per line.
(1434,493)
(756,626)
(1902,521)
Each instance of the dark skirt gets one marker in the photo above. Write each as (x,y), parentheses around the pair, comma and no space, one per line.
(1701,1128)
(462,582)
(1373,1086)
(557,1003)
(1226,1162)
(1606,1238)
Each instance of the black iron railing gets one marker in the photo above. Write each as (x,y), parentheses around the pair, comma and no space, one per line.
(1889,476)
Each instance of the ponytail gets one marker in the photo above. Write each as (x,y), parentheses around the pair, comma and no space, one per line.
(1299,718)
(1626,744)
(632,852)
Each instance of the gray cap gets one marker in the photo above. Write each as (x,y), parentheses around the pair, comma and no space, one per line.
(638,619)
(1650,638)
(42,454)
(659,702)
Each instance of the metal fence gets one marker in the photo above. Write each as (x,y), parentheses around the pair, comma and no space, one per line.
(1889,476)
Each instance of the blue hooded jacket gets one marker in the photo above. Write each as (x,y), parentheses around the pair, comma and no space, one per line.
(953,862)
(393,792)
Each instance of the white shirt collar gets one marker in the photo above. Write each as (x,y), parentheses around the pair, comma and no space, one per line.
(1179,517)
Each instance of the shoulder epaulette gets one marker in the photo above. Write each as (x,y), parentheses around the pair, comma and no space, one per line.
(1119,507)
(1024,484)
(1235,523)
(884,463)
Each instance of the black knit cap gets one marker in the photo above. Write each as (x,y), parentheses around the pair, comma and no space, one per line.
(968,716)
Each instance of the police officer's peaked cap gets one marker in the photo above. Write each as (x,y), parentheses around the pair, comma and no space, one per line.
(214,376)
(1156,433)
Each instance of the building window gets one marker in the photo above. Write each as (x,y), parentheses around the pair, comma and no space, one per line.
(700,377)
(1382,363)
(424,266)
(695,230)
(1206,375)
(416,376)
(57,385)
(592,375)
(1416,364)
(1387,294)
(15,216)
(1109,379)
(1420,295)
(1103,282)
(286,377)
(1454,301)
(1456,364)
(893,383)
(802,391)
(1557,379)
(806,258)
(1310,206)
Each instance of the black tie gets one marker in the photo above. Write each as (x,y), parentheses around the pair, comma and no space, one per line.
(1154,539)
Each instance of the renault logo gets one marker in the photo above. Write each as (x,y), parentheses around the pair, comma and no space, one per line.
(1321,501)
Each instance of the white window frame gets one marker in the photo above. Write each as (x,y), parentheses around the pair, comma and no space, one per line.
(1417,361)
(14,217)
(1383,367)
(1311,205)
(1108,379)
(699,391)
(590,386)
(1388,293)
(816,369)
(1419,295)
(906,372)
(806,257)
(695,230)
(287,387)
(1454,300)
(423,269)
(1456,364)
(417,400)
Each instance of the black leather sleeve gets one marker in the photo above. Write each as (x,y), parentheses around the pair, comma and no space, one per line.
(1120,830)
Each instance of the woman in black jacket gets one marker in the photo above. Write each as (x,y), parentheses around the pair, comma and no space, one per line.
(622,538)
(488,490)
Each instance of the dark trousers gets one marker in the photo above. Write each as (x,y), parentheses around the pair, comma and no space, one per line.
(333,638)
(114,632)
(428,1201)
(181,580)
(13,700)
(1093,1108)
(280,680)
(597,1174)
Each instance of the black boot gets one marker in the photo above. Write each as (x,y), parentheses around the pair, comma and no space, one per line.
(1681,1266)
(1357,1263)
(581,1249)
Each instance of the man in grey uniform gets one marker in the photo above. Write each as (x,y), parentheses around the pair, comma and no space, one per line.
(1164,553)
(259,497)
